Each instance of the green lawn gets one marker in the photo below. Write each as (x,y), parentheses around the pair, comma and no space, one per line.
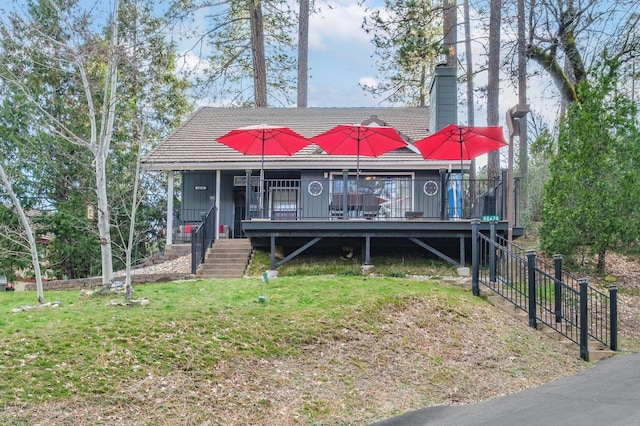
(317,350)
(87,346)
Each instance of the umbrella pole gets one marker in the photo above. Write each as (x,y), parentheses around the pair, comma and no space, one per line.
(358,175)
(461,178)
(261,189)
(358,162)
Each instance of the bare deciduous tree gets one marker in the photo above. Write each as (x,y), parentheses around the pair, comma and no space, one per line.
(28,231)
(80,53)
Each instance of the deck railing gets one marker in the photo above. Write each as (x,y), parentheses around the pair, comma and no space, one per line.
(549,295)
(446,197)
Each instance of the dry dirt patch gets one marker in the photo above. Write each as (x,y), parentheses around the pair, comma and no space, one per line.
(423,354)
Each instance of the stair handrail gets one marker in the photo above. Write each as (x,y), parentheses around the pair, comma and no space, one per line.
(567,305)
(202,236)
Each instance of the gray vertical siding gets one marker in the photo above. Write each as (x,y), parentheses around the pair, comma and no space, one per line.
(443,98)
(226,198)
(314,206)
(428,205)
(194,201)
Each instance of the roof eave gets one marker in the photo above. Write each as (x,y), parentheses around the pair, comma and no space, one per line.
(412,165)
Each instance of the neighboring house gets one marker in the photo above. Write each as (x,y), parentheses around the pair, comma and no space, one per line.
(312,198)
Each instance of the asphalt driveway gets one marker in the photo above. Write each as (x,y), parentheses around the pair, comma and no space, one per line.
(606,394)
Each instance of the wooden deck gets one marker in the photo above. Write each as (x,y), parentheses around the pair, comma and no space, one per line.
(446,239)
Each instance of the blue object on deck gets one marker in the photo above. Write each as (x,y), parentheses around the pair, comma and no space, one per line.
(454,196)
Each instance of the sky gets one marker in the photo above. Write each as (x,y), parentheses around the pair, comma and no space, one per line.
(341,57)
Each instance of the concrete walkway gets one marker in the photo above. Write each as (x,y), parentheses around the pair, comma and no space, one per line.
(606,394)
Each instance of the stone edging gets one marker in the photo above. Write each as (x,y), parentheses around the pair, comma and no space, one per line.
(90,283)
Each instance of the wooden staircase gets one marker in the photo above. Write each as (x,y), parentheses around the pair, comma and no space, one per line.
(227,258)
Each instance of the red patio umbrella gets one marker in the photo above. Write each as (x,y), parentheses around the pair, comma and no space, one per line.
(264,139)
(359,139)
(455,142)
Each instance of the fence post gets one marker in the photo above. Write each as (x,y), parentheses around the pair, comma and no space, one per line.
(557,286)
(492,251)
(613,317)
(475,257)
(584,326)
(531,278)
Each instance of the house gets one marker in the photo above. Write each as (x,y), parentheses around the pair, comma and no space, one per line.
(315,199)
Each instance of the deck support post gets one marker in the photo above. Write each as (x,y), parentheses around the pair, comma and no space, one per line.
(272,253)
(367,250)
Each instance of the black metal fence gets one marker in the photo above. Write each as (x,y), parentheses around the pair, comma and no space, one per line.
(549,295)
(202,237)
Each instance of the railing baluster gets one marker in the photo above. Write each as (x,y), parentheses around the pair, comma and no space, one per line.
(557,288)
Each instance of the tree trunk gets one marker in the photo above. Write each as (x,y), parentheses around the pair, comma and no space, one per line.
(257,49)
(523,148)
(128,283)
(303,53)
(450,30)
(602,262)
(422,99)
(493,82)
(101,152)
(28,229)
(470,98)
(104,223)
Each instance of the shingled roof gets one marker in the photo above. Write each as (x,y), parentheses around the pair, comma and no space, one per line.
(193,146)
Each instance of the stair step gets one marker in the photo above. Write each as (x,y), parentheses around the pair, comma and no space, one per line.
(598,354)
(215,268)
(227,253)
(227,258)
(215,276)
